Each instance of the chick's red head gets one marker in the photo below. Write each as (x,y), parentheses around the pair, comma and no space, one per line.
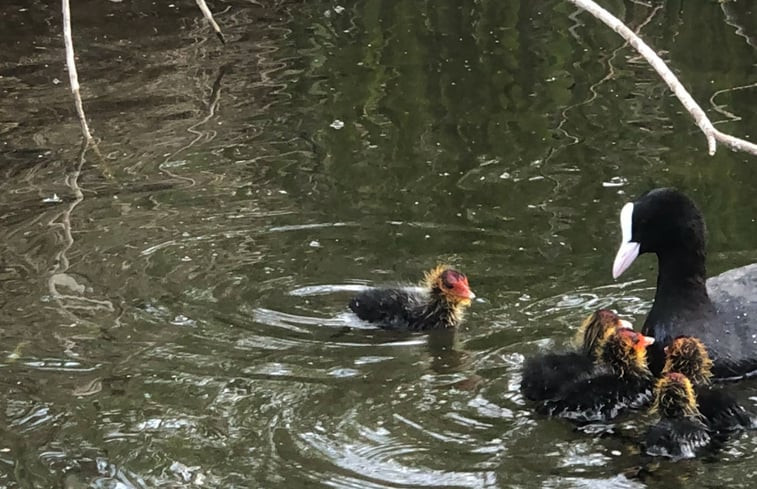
(455,284)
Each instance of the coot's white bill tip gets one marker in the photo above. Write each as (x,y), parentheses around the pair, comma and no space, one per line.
(627,253)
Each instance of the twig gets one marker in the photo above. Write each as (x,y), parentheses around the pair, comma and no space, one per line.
(209,15)
(72,75)
(67,303)
(215,96)
(710,133)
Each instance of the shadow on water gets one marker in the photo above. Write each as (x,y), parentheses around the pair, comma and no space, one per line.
(174,311)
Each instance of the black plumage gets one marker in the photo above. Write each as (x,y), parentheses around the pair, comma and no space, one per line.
(681,432)
(600,397)
(678,438)
(721,411)
(619,382)
(544,375)
(721,311)
(438,303)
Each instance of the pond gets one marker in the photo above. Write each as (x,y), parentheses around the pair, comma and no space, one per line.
(174,306)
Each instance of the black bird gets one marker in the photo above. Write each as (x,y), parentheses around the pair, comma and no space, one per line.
(681,431)
(620,381)
(721,311)
(720,410)
(439,303)
(544,375)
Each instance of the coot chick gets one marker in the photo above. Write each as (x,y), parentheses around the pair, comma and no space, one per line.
(721,311)
(440,303)
(688,355)
(544,375)
(681,431)
(721,411)
(622,380)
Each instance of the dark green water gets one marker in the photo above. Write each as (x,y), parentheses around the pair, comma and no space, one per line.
(174,313)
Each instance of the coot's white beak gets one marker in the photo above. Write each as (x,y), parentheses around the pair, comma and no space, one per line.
(628,250)
(627,253)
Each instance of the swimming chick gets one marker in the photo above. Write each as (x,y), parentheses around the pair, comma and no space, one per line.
(688,355)
(620,381)
(440,303)
(544,375)
(681,431)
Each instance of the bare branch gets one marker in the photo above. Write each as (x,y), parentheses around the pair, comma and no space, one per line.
(209,15)
(711,134)
(72,75)
(69,302)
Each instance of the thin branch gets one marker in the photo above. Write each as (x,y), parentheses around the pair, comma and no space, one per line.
(68,303)
(215,96)
(72,75)
(209,15)
(710,132)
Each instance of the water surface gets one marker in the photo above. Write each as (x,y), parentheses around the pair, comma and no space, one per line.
(174,308)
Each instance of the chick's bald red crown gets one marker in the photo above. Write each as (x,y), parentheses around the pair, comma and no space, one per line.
(610,318)
(638,339)
(675,377)
(457,283)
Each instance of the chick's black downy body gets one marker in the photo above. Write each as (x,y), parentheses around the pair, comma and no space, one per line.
(621,381)
(681,432)
(719,409)
(438,304)
(678,438)
(544,375)
(401,309)
(600,397)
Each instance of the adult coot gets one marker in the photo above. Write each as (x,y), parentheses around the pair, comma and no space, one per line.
(721,311)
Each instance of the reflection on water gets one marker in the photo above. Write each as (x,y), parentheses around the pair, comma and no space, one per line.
(174,307)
